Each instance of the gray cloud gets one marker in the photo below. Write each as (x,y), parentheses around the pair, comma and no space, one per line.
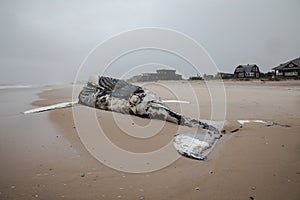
(45,41)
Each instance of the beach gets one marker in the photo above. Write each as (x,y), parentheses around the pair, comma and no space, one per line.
(43,157)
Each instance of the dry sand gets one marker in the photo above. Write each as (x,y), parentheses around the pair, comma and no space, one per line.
(42,156)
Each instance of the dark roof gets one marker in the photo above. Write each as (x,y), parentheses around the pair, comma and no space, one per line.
(296,62)
(247,68)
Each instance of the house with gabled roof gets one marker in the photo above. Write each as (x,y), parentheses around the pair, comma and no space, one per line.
(247,71)
(288,69)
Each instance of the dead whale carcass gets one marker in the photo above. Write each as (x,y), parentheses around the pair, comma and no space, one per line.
(120,96)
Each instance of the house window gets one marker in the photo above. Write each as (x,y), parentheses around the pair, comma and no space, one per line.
(249,74)
(292,73)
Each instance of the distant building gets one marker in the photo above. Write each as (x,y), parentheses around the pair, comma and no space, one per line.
(208,76)
(288,69)
(161,74)
(223,75)
(247,71)
(167,74)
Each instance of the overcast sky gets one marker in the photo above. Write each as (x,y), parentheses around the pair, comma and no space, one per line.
(46,41)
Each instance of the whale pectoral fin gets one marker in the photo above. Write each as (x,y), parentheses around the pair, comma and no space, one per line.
(51,107)
(174,101)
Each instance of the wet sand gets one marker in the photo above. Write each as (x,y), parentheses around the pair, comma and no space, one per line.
(42,156)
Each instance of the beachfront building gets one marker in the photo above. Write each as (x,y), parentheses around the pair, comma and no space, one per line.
(288,69)
(247,71)
(168,74)
(161,74)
